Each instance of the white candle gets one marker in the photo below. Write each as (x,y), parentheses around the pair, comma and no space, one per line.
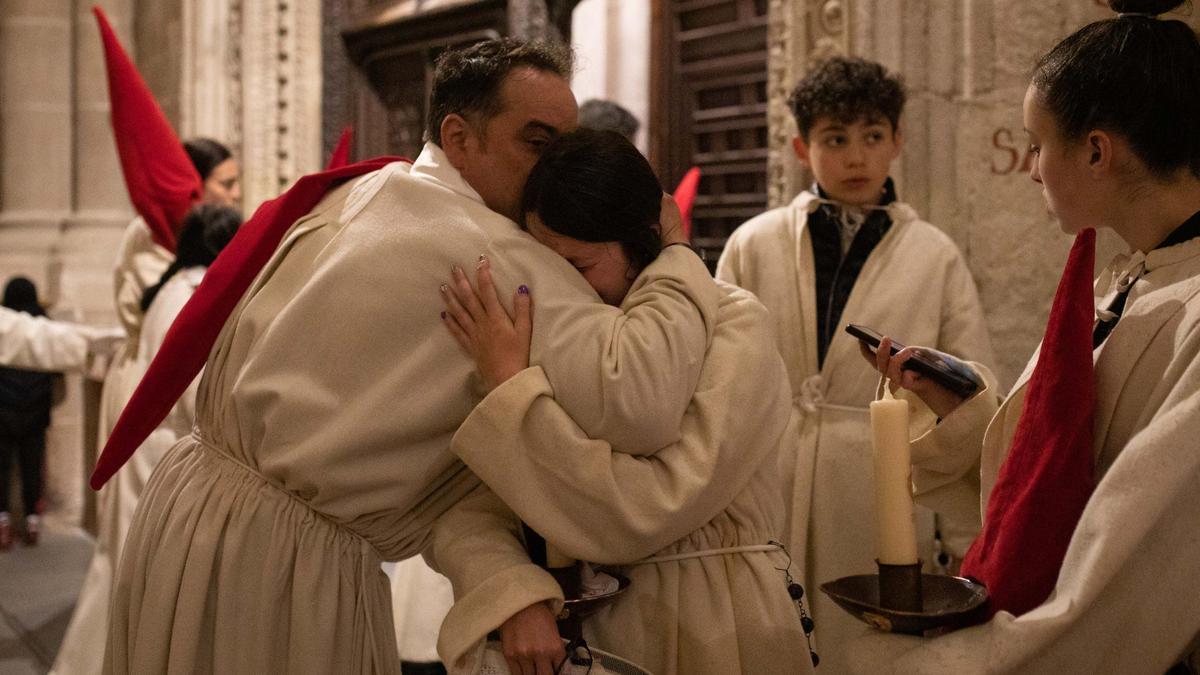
(893,481)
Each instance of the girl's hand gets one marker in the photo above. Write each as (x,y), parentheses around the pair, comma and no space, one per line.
(670,223)
(940,400)
(498,344)
(531,643)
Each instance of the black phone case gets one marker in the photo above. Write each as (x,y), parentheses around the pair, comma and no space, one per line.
(955,383)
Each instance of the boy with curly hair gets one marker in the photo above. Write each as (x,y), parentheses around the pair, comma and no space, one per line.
(846,250)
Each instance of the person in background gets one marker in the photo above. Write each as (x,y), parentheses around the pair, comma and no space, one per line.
(847,250)
(25,401)
(603,115)
(206,231)
(1089,470)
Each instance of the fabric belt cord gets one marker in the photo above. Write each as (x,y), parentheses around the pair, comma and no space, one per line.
(706,553)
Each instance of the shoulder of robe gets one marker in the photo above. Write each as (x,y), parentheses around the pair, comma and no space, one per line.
(929,238)
(735,300)
(763,229)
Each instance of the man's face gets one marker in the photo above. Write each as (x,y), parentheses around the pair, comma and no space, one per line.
(536,106)
(850,161)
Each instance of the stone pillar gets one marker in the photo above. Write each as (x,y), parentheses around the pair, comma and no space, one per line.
(276,74)
(799,32)
(206,97)
(35,133)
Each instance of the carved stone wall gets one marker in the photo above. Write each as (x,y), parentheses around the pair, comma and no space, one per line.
(965,163)
(276,81)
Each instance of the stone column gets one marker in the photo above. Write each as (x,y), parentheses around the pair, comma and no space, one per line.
(206,98)
(799,32)
(276,73)
(35,133)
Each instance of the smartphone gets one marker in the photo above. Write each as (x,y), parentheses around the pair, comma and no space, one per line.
(952,375)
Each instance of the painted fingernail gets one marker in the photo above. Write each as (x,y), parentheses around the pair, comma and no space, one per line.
(483,262)
(444,288)
(456,270)
(482,257)
(523,289)
(443,316)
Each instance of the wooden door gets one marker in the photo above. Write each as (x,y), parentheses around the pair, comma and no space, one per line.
(709,109)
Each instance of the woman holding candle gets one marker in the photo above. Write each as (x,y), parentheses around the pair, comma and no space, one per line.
(1103,424)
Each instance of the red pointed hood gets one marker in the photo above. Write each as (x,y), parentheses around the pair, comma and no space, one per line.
(341,152)
(685,197)
(161,180)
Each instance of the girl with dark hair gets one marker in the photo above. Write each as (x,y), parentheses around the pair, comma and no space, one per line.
(25,400)
(1090,469)
(693,524)
(217,168)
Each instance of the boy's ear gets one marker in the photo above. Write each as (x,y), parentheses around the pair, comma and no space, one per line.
(801,149)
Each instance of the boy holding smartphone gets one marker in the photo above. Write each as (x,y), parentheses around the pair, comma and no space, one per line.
(847,250)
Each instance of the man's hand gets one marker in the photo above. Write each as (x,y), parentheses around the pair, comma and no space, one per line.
(670,223)
(531,642)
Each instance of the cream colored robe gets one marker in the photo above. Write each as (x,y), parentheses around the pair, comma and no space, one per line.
(718,487)
(37,343)
(1126,600)
(324,421)
(915,286)
(140,264)
(86,634)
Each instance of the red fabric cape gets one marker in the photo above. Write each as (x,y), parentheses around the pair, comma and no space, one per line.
(161,180)
(1047,478)
(341,151)
(685,197)
(191,336)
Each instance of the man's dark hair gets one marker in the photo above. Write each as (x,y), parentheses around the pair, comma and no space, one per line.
(595,186)
(847,90)
(1135,75)
(604,115)
(467,81)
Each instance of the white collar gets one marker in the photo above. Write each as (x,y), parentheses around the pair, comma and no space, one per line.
(433,165)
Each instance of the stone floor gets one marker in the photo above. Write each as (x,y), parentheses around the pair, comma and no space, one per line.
(38,586)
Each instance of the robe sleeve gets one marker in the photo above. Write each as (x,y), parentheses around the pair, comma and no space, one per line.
(38,343)
(1125,600)
(946,454)
(595,503)
(478,545)
(963,333)
(627,374)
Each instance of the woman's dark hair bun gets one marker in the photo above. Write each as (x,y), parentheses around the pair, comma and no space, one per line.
(1154,7)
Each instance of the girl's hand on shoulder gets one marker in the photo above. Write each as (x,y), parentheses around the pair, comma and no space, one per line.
(498,343)
(670,223)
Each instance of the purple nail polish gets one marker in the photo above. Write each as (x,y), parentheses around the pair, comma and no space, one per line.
(523,289)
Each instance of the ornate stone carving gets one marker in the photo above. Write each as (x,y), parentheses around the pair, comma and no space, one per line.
(799,32)
(276,70)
